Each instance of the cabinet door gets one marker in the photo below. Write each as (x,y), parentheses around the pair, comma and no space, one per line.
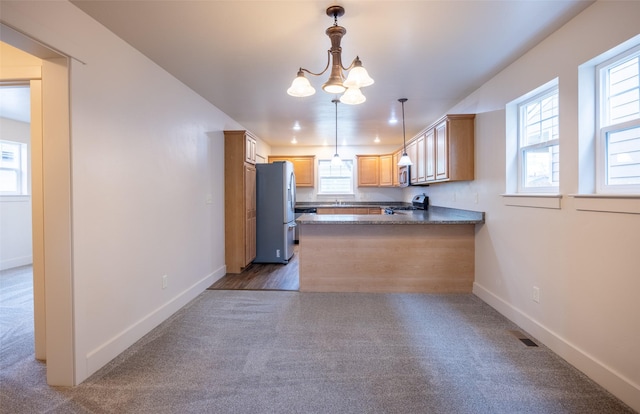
(250,213)
(386,170)
(442,151)
(412,152)
(250,149)
(368,170)
(394,165)
(419,162)
(303,168)
(430,159)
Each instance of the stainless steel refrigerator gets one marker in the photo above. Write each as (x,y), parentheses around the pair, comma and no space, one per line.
(275,217)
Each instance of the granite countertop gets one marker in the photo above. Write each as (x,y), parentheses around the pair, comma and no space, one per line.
(434,215)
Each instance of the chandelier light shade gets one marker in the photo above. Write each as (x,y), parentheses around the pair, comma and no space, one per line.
(404,160)
(336,161)
(336,84)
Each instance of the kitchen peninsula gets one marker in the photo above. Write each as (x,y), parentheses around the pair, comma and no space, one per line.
(426,251)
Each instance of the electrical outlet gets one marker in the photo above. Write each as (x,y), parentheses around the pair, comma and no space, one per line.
(535,295)
(164,281)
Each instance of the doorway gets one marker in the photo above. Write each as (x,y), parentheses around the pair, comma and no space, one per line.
(50,157)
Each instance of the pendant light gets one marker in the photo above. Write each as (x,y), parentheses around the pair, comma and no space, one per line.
(336,161)
(404,160)
(357,78)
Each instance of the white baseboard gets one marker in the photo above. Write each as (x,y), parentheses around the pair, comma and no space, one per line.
(15,262)
(106,352)
(612,381)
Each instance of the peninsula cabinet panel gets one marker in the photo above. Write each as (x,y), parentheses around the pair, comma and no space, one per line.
(303,168)
(368,166)
(239,202)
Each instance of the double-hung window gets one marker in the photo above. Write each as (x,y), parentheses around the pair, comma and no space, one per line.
(618,124)
(13,168)
(539,143)
(335,179)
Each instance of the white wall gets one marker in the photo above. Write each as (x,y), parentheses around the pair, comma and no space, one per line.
(585,263)
(346,152)
(15,211)
(146,153)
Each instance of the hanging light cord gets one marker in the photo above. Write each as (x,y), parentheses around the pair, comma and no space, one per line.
(404,139)
(336,102)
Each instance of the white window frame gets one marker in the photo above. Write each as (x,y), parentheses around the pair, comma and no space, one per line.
(604,128)
(21,170)
(350,191)
(539,94)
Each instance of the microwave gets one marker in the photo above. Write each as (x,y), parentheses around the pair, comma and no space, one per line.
(404,176)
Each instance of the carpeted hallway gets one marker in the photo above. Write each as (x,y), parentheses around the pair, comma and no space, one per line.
(290,352)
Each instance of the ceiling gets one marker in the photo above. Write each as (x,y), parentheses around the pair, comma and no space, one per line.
(242,56)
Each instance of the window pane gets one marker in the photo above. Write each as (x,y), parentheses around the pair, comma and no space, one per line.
(623,94)
(335,180)
(8,181)
(541,167)
(623,157)
(540,120)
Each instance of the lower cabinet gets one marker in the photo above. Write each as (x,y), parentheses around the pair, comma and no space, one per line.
(349,210)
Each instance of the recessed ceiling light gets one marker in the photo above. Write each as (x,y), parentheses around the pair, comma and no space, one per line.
(296,126)
(294,140)
(376,140)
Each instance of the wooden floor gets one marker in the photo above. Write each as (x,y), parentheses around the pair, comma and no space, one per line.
(269,276)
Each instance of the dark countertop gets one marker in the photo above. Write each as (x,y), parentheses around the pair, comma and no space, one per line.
(434,215)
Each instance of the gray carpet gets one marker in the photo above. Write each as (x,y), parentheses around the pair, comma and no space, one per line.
(289,352)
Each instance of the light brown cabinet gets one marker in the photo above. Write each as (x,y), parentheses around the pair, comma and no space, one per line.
(368,174)
(250,148)
(239,200)
(303,167)
(386,170)
(454,140)
(395,170)
(444,152)
(377,170)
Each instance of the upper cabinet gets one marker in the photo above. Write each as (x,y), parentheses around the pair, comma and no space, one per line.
(250,148)
(377,170)
(368,174)
(444,152)
(387,171)
(303,167)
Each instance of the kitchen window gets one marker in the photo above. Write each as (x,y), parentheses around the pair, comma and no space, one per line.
(618,124)
(335,179)
(538,143)
(13,168)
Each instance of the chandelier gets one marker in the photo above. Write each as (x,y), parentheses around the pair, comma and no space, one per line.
(336,84)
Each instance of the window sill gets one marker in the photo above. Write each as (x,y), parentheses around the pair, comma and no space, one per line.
(607,203)
(542,200)
(15,198)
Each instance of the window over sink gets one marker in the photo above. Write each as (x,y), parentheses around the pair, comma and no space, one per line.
(335,179)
